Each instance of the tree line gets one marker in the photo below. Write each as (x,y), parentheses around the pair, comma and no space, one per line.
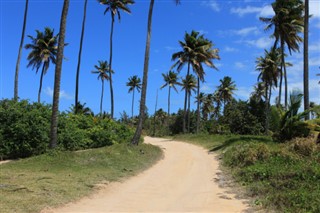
(290,20)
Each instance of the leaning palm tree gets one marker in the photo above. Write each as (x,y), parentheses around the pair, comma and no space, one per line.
(137,134)
(16,77)
(79,56)
(43,52)
(288,23)
(226,89)
(269,67)
(196,50)
(57,77)
(306,58)
(259,92)
(171,80)
(102,69)
(189,84)
(114,6)
(134,83)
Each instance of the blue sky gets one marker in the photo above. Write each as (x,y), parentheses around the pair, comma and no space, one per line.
(233,26)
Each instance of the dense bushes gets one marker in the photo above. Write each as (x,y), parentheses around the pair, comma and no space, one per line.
(24,130)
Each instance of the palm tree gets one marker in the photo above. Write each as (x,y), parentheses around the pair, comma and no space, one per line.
(226,89)
(287,23)
(82,109)
(189,84)
(114,6)
(57,77)
(196,50)
(102,69)
(134,83)
(306,58)
(137,134)
(16,78)
(269,67)
(171,80)
(79,56)
(43,52)
(207,106)
(259,91)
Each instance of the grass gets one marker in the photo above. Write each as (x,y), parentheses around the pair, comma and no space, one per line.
(280,177)
(56,178)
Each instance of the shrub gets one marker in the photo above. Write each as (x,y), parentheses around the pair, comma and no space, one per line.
(303,146)
(241,155)
(24,128)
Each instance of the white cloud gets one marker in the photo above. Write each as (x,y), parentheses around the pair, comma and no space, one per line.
(264,11)
(230,49)
(243,93)
(239,65)
(63,95)
(314,9)
(263,42)
(218,65)
(206,88)
(315,46)
(212,4)
(247,31)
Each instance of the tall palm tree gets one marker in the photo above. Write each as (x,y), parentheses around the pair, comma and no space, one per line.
(134,83)
(269,67)
(226,89)
(171,80)
(306,58)
(102,69)
(114,6)
(57,77)
(189,84)
(16,78)
(79,56)
(287,23)
(137,134)
(196,50)
(43,51)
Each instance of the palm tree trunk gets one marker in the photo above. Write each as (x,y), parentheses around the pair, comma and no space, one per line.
(188,112)
(169,100)
(280,85)
(132,103)
(16,77)
(79,57)
(306,59)
(185,105)
(57,77)
(101,98)
(198,106)
(285,76)
(136,137)
(40,85)
(110,64)
(267,110)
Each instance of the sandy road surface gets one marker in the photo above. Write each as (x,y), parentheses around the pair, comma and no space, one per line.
(181,182)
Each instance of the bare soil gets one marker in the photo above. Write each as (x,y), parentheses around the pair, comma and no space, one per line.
(185,180)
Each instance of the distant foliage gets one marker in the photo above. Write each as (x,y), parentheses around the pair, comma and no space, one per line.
(24,130)
(240,120)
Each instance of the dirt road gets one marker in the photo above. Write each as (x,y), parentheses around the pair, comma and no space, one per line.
(183,181)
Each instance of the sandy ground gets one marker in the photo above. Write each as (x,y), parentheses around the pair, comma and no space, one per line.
(183,181)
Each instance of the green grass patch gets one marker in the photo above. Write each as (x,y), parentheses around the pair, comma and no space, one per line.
(280,177)
(56,178)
